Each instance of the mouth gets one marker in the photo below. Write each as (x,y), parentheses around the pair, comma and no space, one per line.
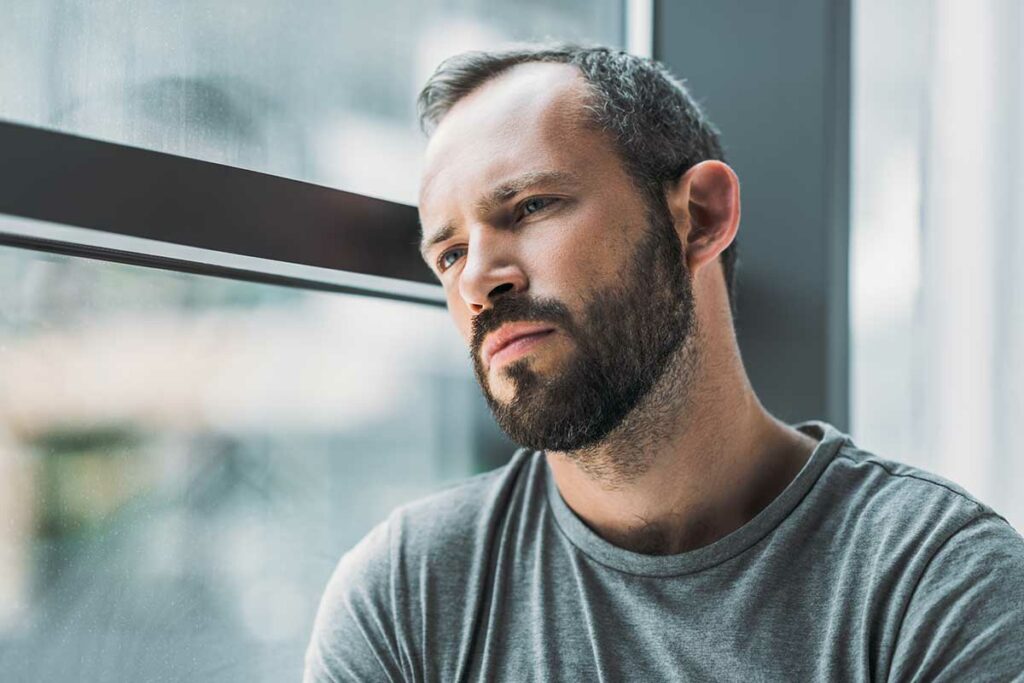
(511,341)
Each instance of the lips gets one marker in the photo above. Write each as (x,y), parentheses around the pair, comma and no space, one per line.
(506,334)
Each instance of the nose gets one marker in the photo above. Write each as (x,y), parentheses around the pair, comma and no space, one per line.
(490,271)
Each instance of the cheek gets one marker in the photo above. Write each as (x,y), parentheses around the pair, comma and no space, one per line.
(578,255)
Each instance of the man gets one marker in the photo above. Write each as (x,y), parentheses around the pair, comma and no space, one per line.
(659,524)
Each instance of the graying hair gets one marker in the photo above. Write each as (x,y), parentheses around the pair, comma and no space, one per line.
(657,127)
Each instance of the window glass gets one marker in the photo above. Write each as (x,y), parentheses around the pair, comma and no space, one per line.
(322,90)
(183,459)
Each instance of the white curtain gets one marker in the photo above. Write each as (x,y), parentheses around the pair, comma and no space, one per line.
(937,243)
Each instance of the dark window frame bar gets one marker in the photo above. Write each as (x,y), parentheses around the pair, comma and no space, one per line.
(129,204)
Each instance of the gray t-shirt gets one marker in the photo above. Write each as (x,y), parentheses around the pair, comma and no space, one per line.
(862,568)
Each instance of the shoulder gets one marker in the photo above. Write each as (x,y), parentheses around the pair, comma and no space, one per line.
(965,613)
(370,611)
(923,508)
(453,518)
(349,641)
(434,525)
(887,494)
(892,473)
(887,521)
(874,509)
(906,514)
(947,569)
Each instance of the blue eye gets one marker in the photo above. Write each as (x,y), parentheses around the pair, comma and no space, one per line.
(443,263)
(529,207)
(535,204)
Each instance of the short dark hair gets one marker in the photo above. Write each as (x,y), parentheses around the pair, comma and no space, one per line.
(657,127)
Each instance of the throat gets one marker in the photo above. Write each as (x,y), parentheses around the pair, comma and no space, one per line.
(664,538)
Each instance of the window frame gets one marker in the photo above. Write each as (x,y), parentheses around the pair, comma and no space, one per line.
(67,194)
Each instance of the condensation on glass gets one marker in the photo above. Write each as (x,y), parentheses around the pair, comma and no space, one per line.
(322,91)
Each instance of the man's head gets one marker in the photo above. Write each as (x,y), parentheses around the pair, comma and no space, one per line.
(564,195)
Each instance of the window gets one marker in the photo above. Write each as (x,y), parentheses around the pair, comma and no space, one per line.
(323,91)
(213,382)
(186,457)
(937,295)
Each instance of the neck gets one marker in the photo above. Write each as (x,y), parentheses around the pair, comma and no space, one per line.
(695,460)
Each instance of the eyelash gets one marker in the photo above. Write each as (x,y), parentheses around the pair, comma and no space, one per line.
(546,202)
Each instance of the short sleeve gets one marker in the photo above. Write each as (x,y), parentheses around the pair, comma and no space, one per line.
(354,633)
(965,619)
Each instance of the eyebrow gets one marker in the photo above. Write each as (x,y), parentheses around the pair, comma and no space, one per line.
(500,194)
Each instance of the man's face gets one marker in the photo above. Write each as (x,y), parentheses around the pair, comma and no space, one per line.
(534,228)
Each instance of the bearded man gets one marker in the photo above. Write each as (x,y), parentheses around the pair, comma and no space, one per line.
(659,523)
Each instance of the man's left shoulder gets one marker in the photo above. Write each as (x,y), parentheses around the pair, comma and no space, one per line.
(891,520)
(951,565)
(948,566)
(891,495)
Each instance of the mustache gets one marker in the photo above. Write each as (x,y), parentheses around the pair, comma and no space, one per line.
(519,308)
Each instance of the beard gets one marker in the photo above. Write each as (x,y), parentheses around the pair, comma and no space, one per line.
(626,338)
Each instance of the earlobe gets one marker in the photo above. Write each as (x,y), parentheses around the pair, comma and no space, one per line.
(705,204)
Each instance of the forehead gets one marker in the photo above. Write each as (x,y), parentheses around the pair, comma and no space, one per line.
(528,119)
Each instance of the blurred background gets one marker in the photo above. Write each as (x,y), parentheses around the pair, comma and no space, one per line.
(184,457)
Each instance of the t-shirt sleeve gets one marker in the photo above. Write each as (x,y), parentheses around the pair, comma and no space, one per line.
(965,620)
(354,634)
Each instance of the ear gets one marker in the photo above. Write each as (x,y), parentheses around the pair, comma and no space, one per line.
(705,206)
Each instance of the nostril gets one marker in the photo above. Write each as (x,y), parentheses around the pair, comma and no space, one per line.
(500,289)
